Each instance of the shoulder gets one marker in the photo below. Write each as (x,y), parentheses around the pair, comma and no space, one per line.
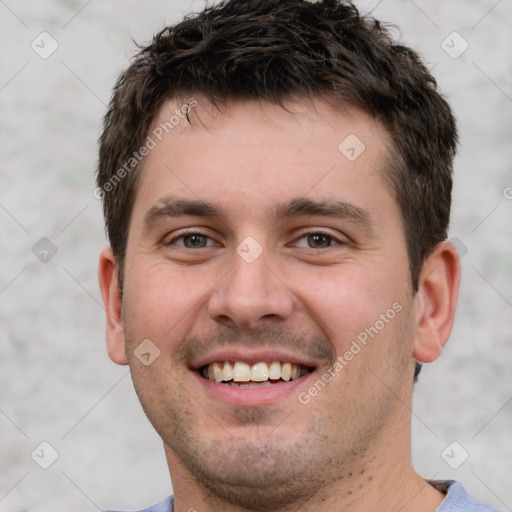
(458,500)
(166,505)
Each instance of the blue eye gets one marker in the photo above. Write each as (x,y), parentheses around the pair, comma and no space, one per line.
(192,241)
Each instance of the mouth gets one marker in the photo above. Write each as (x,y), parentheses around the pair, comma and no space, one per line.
(263,374)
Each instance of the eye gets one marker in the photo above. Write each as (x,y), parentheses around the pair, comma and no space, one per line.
(192,241)
(315,241)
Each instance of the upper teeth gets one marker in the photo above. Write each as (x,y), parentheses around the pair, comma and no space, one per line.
(259,372)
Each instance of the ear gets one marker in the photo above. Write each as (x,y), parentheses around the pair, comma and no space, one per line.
(436,302)
(107,277)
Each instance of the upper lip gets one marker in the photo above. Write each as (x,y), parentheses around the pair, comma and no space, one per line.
(252,356)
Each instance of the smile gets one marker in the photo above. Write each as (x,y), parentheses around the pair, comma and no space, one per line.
(243,375)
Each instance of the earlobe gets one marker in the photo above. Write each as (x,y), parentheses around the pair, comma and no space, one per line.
(109,286)
(436,302)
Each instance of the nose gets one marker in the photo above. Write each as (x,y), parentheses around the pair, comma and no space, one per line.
(251,293)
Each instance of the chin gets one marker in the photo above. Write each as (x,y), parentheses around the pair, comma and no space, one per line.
(262,472)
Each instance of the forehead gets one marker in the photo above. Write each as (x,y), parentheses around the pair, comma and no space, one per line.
(253,154)
(188,116)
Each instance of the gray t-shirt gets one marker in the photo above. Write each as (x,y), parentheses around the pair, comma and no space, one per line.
(457,500)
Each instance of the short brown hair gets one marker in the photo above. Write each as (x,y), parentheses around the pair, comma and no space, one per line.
(270,50)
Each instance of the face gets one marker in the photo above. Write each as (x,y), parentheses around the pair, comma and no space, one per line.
(262,237)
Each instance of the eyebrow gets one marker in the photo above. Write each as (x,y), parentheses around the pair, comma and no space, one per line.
(170,207)
(327,208)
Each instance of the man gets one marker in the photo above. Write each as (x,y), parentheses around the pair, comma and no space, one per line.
(276,179)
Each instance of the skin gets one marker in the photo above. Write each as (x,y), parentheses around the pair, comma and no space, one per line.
(348,448)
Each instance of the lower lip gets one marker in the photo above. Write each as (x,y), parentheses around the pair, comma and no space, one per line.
(251,397)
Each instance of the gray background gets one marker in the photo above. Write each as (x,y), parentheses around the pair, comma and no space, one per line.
(56,381)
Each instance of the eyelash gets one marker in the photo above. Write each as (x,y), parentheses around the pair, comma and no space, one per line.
(305,234)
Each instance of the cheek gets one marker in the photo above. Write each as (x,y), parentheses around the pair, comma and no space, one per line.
(367,316)
(344,301)
(161,300)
